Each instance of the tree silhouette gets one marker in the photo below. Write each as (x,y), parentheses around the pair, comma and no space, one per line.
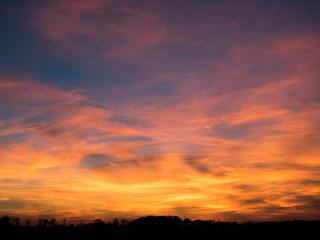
(40,222)
(124,222)
(15,221)
(115,222)
(45,222)
(53,222)
(187,221)
(98,222)
(28,221)
(164,226)
(5,222)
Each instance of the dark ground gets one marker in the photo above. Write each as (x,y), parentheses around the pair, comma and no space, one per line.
(164,227)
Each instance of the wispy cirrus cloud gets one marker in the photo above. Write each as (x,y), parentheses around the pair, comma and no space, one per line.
(225,150)
(215,104)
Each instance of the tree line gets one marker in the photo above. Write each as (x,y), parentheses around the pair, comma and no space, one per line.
(158,225)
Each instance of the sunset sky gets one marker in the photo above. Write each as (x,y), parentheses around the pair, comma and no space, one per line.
(204,109)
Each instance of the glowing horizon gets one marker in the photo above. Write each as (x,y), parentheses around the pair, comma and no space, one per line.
(124,109)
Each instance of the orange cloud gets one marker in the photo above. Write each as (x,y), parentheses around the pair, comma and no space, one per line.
(65,146)
(230,135)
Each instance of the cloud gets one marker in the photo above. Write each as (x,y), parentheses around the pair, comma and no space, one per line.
(121,139)
(15,204)
(245,187)
(310,181)
(243,130)
(254,201)
(216,104)
(130,30)
(307,202)
(15,88)
(96,160)
(195,162)
(12,180)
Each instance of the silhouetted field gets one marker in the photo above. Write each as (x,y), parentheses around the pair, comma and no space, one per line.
(166,227)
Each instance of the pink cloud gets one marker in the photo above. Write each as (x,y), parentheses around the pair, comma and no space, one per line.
(185,160)
(120,33)
(241,119)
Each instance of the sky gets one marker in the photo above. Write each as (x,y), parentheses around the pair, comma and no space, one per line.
(202,109)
